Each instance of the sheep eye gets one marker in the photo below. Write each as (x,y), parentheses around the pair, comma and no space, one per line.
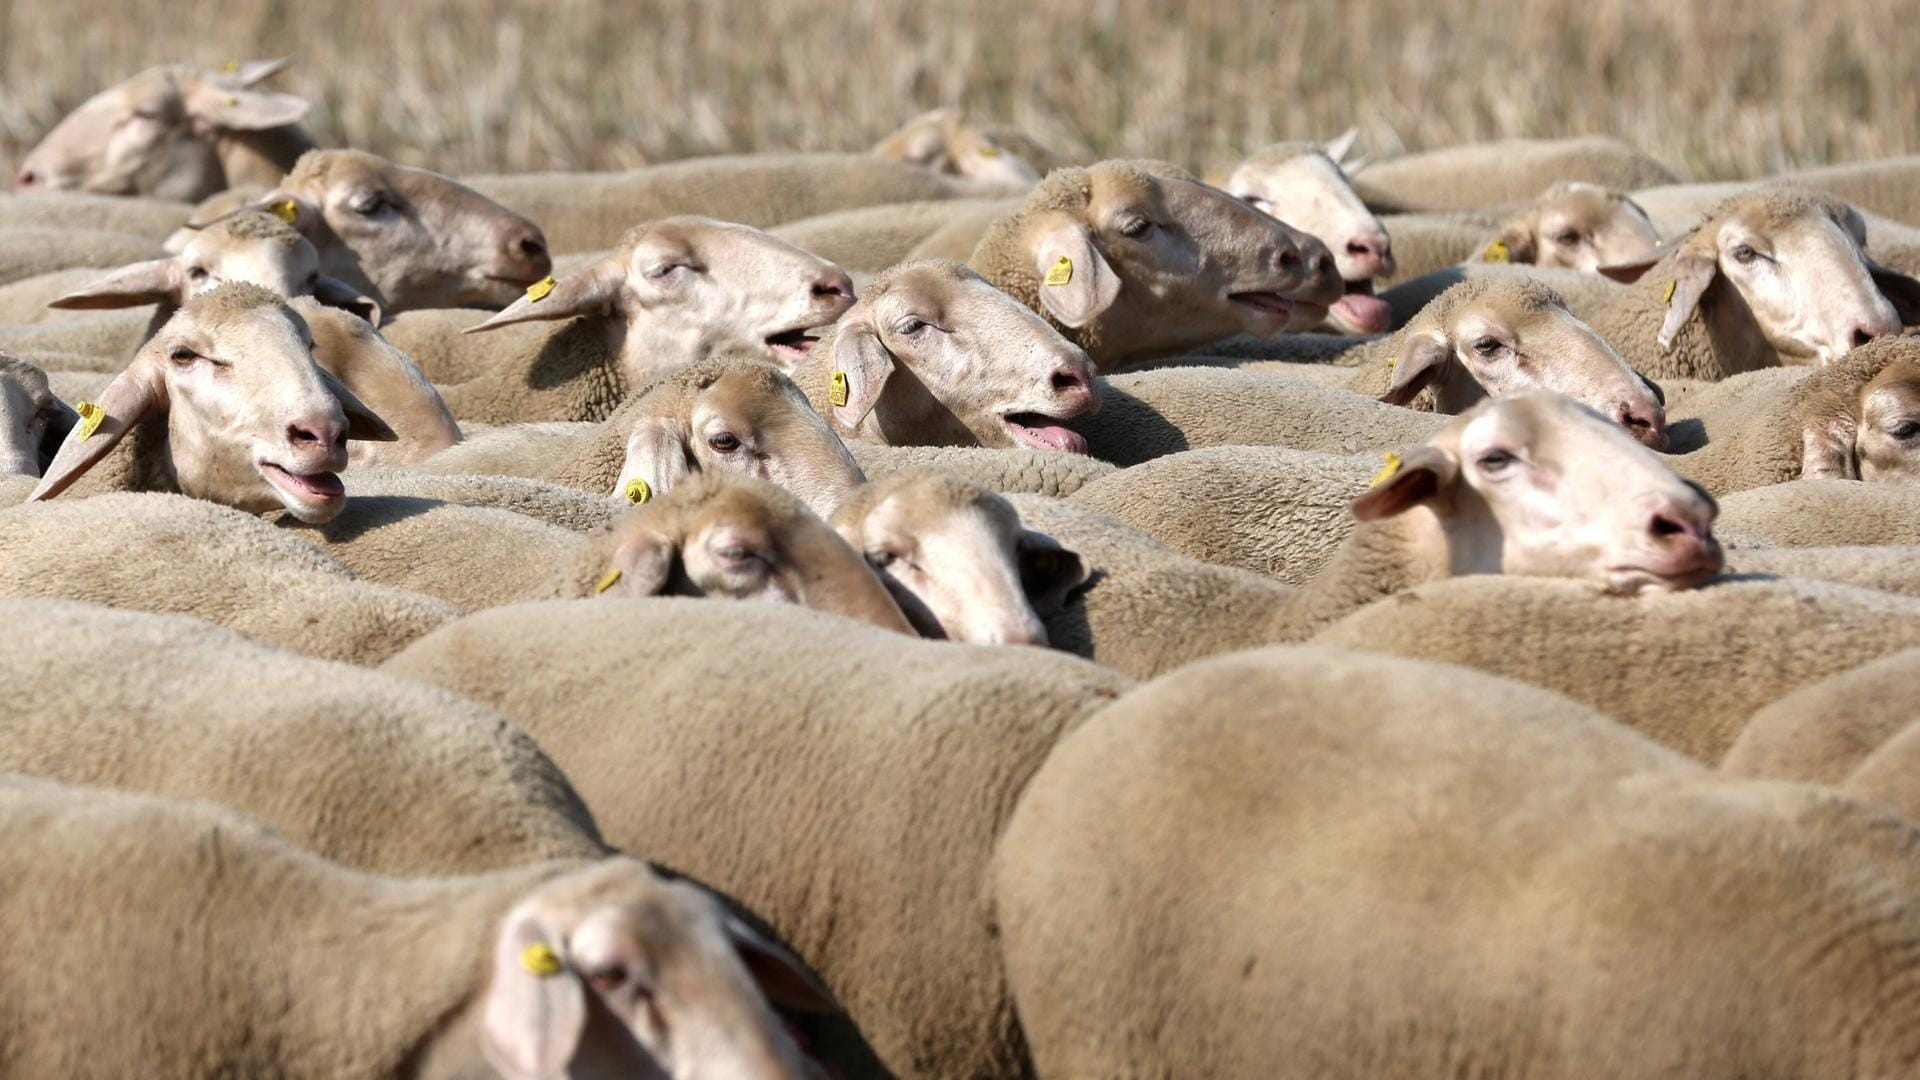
(909,327)
(880,560)
(607,979)
(197,273)
(1905,429)
(1494,461)
(723,443)
(1744,254)
(667,270)
(180,354)
(1135,227)
(369,205)
(1487,346)
(1568,238)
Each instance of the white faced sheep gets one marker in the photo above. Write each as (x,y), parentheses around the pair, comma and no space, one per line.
(1856,419)
(407,237)
(932,355)
(1770,277)
(300,967)
(1503,172)
(956,558)
(1304,863)
(765,786)
(175,132)
(168,554)
(229,406)
(1570,225)
(1302,184)
(676,292)
(33,421)
(951,142)
(1135,260)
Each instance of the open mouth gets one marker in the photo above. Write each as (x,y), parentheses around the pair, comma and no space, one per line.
(791,344)
(1633,579)
(1363,311)
(1044,433)
(308,489)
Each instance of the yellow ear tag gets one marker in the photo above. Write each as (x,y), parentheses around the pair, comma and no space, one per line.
(1061,273)
(989,151)
(90,417)
(540,959)
(538,291)
(1392,362)
(1497,252)
(838,394)
(637,491)
(231,67)
(1668,298)
(1386,471)
(286,210)
(607,581)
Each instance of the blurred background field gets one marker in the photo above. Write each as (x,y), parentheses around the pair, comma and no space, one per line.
(1714,88)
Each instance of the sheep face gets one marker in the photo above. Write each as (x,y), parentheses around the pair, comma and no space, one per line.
(253,422)
(1538,484)
(1889,440)
(1575,225)
(157,133)
(409,237)
(254,248)
(741,417)
(1516,336)
(32,420)
(935,356)
(957,559)
(1307,189)
(736,538)
(682,289)
(612,971)
(1149,265)
(946,142)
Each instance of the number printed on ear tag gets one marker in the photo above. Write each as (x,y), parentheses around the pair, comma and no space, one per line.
(838,394)
(1061,273)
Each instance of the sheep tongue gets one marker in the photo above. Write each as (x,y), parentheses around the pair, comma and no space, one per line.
(1368,313)
(1045,435)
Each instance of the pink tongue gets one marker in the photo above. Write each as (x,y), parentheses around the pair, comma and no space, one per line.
(321,483)
(1055,437)
(1369,314)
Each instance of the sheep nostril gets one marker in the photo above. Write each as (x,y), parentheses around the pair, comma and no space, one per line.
(1861,335)
(1290,260)
(300,436)
(838,286)
(27,178)
(1664,526)
(532,248)
(1355,247)
(1067,380)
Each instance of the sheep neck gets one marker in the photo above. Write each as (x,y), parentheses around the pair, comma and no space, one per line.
(1378,559)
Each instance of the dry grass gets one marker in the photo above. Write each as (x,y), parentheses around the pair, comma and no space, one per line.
(1714,88)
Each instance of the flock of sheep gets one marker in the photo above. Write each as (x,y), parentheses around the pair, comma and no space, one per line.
(1452,616)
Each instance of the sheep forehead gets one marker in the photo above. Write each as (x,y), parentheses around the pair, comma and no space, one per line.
(1896,388)
(922,496)
(1772,209)
(319,170)
(932,277)
(252,225)
(233,303)
(1514,299)
(1549,425)
(753,395)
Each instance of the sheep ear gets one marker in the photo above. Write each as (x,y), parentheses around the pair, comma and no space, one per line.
(1902,291)
(536,1008)
(156,281)
(1342,144)
(1693,271)
(293,209)
(249,72)
(1411,477)
(135,394)
(593,291)
(862,363)
(657,459)
(1076,284)
(1826,449)
(782,977)
(236,109)
(643,564)
(362,423)
(1422,360)
(338,294)
(1515,244)
(1049,572)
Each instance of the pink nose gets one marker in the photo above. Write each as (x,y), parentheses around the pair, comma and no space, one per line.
(319,441)
(1372,254)
(1648,425)
(1684,535)
(1074,384)
(834,285)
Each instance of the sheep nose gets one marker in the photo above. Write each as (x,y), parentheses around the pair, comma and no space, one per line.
(836,284)
(1648,426)
(312,435)
(528,246)
(1371,253)
(1684,537)
(1072,381)
(26,179)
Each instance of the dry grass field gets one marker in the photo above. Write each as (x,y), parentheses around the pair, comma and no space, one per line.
(1715,88)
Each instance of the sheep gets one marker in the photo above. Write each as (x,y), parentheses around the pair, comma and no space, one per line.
(406,237)
(1575,225)
(299,967)
(1302,184)
(168,554)
(1686,670)
(149,220)
(933,355)
(565,507)
(94,342)
(676,292)
(172,132)
(1825,513)
(379,773)
(28,253)
(33,421)
(1423,243)
(385,380)
(1586,502)
(763,786)
(956,558)
(1776,276)
(1825,731)
(957,238)
(1477,175)
(1037,472)
(948,141)
(1309,862)
(869,239)
(588,211)
(228,405)
(1135,260)
(529,451)
(1856,419)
